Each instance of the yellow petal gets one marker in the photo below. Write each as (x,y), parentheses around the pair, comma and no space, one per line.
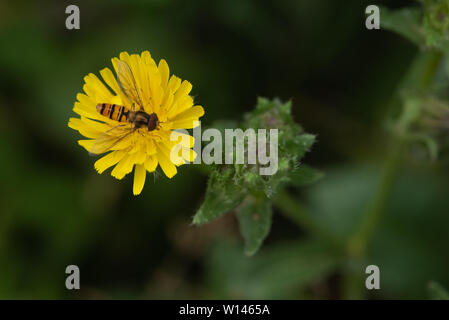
(139,178)
(195,112)
(125,57)
(86,144)
(167,166)
(114,62)
(183,90)
(185,124)
(165,73)
(108,161)
(174,83)
(110,80)
(140,75)
(167,102)
(151,163)
(95,89)
(83,111)
(123,167)
(185,140)
(175,154)
(180,105)
(87,101)
(91,114)
(150,146)
(99,126)
(87,107)
(140,156)
(157,93)
(84,129)
(188,154)
(147,59)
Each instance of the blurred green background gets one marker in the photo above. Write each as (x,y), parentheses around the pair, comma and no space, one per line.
(55,210)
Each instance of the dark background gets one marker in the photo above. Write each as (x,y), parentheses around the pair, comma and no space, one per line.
(55,210)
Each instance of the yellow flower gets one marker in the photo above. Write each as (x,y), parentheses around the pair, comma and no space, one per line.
(132,147)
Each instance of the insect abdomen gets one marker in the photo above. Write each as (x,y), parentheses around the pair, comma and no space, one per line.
(113,111)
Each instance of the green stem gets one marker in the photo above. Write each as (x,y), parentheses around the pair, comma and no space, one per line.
(359,241)
(357,244)
(294,211)
(420,76)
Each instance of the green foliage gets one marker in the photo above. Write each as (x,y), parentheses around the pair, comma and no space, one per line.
(409,243)
(305,175)
(423,120)
(426,27)
(254,217)
(423,113)
(406,22)
(222,195)
(436,23)
(278,272)
(56,210)
(437,292)
(241,184)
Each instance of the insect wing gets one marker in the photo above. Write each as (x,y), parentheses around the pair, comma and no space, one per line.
(127,83)
(107,140)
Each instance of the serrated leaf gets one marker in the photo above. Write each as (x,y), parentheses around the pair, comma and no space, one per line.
(222,195)
(299,145)
(437,292)
(231,183)
(305,175)
(254,216)
(406,22)
(269,114)
(263,104)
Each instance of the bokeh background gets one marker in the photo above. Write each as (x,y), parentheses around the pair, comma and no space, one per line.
(55,210)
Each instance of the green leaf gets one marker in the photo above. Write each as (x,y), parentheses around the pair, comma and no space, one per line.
(270,114)
(254,217)
(432,147)
(282,271)
(231,183)
(406,22)
(222,195)
(430,143)
(411,111)
(437,292)
(305,175)
(300,144)
(436,23)
(406,229)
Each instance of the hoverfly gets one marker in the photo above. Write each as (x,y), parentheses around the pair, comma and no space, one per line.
(137,118)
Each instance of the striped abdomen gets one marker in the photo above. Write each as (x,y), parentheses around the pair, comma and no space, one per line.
(113,111)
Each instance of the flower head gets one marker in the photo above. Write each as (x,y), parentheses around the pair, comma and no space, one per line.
(131,146)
